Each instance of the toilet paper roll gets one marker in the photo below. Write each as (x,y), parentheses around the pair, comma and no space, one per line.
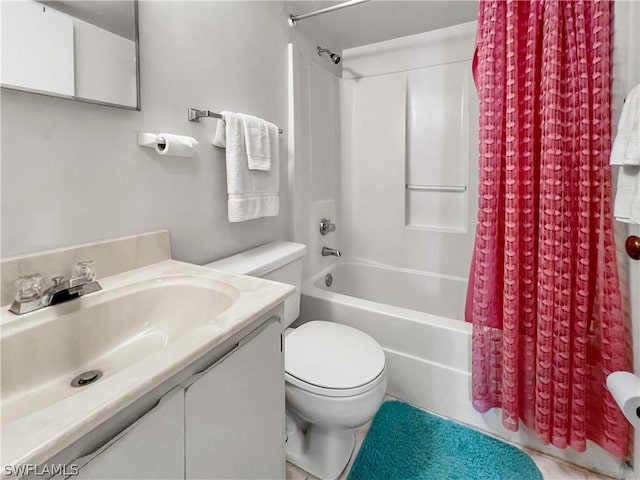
(625,389)
(176,145)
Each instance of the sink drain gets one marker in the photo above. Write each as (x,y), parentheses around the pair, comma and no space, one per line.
(86,378)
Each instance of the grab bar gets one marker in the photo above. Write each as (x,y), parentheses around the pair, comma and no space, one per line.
(438,188)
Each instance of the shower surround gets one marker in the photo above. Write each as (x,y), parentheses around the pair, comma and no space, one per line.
(403,275)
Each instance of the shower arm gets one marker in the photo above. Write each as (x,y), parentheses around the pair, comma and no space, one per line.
(294,19)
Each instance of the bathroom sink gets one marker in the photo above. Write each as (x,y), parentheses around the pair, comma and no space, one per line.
(106,332)
(143,331)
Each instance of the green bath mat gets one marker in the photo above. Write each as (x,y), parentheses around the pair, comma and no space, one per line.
(406,443)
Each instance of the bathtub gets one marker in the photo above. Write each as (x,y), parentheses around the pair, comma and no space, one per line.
(417,317)
(439,295)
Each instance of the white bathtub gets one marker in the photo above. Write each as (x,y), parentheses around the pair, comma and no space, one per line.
(417,317)
(439,295)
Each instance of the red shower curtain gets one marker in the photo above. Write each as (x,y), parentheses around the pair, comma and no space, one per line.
(543,295)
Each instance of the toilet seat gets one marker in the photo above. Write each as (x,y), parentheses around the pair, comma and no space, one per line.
(332,392)
(332,359)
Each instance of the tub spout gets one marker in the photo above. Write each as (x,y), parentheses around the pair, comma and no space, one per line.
(326,251)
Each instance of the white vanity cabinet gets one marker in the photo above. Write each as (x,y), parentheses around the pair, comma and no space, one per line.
(234,412)
(225,422)
(153,447)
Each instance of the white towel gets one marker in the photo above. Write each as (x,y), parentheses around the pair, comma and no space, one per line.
(220,137)
(626,147)
(626,153)
(252,193)
(256,138)
(627,204)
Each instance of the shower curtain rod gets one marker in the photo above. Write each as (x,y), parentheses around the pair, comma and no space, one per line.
(293,19)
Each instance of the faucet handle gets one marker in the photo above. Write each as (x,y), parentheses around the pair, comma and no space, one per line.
(29,287)
(83,272)
(327,226)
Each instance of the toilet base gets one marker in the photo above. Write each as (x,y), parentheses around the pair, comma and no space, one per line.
(323,452)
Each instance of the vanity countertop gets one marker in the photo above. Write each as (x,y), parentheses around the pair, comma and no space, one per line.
(44,428)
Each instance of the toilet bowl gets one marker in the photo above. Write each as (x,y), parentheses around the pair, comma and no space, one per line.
(335,375)
(335,382)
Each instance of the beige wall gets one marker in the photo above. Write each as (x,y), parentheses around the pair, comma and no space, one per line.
(73,173)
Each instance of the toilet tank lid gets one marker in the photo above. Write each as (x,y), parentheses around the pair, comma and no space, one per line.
(261,260)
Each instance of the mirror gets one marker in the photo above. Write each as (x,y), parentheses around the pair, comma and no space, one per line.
(84,50)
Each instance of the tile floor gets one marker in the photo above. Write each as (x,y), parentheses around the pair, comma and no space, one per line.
(554,469)
(551,468)
(294,473)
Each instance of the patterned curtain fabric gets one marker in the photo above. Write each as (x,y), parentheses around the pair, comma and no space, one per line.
(543,295)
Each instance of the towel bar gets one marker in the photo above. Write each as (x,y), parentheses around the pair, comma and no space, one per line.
(194,115)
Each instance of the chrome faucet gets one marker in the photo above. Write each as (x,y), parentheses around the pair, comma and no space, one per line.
(327,226)
(326,252)
(31,296)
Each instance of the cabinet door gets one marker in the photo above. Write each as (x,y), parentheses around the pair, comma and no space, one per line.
(151,448)
(234,413)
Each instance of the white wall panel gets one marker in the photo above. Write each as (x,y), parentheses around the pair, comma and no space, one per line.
(314,154)
(438,125)
(437,210)
(414,126)
(373,178)
(435,47)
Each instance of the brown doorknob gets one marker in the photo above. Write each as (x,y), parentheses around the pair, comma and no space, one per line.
(632,245)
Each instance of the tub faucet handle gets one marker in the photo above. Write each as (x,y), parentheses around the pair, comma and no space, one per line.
(327,226)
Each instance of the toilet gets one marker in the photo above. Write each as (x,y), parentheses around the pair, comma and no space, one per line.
(335,375)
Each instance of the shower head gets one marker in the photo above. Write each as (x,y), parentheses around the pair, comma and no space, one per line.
(332,56)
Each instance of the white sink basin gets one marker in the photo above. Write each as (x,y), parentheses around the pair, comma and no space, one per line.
(108,331)
(145,327)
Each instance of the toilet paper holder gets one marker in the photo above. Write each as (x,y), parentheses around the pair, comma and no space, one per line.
(168,144)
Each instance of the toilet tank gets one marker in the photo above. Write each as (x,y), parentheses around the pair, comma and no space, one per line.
(278,261)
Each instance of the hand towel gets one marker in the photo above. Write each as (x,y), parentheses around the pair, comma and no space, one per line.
(626,153)
(626,147)
(220,137)
(252,193)
(256,138)
(627,203)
